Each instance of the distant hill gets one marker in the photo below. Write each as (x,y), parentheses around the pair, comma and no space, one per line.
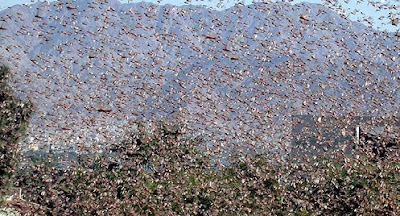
(237,75)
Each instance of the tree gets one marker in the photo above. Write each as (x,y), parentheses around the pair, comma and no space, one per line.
(14,115)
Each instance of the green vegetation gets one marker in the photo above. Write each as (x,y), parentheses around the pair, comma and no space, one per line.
(14,115)
(162,172)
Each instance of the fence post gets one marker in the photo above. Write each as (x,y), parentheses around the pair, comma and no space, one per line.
(357,135)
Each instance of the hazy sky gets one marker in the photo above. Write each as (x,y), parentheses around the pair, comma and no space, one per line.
(363,7)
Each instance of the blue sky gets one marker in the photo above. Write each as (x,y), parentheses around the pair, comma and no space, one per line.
(361,5)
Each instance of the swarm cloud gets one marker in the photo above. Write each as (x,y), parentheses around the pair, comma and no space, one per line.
(235,76)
